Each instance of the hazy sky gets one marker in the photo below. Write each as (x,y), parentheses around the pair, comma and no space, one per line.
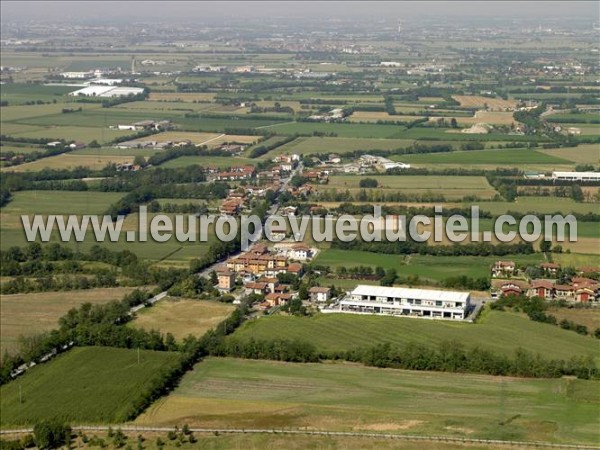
(189,11)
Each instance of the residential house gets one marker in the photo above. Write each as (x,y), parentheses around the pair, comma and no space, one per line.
(319,294)
(550,268)
(300,252)
(503,269)
(226,281)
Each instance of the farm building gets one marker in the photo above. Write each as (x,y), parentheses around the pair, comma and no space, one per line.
(576,176)
(396,301)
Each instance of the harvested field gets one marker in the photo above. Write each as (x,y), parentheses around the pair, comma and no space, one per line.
(182,317)
(477,101)
(29,314)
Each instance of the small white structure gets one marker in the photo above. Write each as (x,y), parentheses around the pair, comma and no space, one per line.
(576,176)
(397,301)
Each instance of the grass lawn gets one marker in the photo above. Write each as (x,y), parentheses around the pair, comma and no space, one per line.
(29,314)
(182,317)
(224,392)
(84,385)
(497,331)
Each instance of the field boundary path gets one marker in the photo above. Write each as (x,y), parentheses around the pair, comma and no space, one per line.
(401,437)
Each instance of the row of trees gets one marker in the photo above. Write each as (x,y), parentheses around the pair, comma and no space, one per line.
(454,357)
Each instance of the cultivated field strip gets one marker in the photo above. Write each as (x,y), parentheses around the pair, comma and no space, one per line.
(445,439)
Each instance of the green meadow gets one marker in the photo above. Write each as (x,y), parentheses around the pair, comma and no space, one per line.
(233,393)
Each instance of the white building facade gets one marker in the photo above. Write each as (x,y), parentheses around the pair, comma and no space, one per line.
(397,301)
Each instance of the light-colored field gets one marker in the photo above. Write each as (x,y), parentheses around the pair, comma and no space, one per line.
(583,154)
(452,187)
(590,317)
(84,134)
(29,314)
(195,138)
(374,116)
(68,161)
(477,101)
(231,393)
(182,317)
(182,96)
(210,139)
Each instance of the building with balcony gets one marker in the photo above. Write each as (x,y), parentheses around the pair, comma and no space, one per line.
(397,301)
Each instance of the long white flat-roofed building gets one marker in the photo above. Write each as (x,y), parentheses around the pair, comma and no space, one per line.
(576,176)
(398,301)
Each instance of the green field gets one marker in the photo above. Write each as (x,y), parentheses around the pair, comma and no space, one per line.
(60,202)
(232,393)
(500,332)
(85,385)
(19,93)
(89,202)
(208,161)
(538,205)
(309,145)
(504,157)
(434,268)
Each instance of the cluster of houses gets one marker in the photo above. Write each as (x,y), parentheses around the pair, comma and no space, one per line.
(258,269)
(509,280)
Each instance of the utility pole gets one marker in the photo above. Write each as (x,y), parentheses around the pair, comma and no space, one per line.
(138,355)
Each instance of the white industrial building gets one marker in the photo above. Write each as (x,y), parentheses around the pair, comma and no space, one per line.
(107,91)
(397,301)
(576,176)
